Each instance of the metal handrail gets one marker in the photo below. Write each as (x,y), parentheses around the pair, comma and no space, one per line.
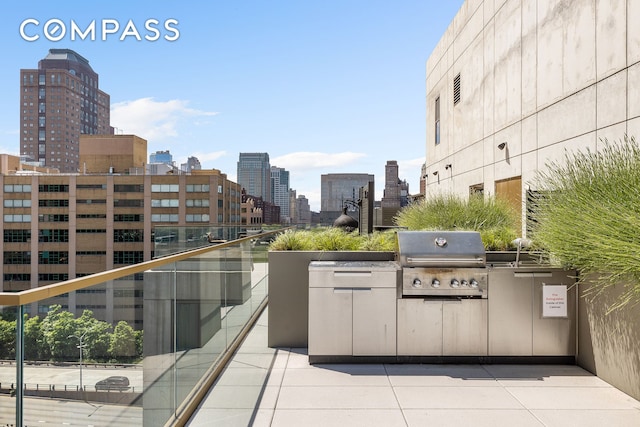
(37,294)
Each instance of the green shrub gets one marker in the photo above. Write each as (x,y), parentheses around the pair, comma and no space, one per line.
(293,240)
(587,215)
(333,239)
(493,218)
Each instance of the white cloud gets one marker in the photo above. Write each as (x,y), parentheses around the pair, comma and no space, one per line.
(305,160)
(151,119)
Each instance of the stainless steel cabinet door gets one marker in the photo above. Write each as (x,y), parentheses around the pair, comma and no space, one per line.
(554,336)
(464,327)
(374,322)
(510,315)
(330,321)
(419,327)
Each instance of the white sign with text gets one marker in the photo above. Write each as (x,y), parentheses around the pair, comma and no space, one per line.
(554,301)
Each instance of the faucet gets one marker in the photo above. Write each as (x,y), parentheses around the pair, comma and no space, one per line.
(520,242)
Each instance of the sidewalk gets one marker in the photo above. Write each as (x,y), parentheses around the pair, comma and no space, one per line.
(277,387)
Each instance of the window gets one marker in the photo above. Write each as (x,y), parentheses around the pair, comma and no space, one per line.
(17,188)
(91,201)
(91,231)
(17,257)
(128,188)
(477,189)
(437,116)
(91,253)
(164,218)
(91,186)
(164,203)
(128,236)
(197,188)
(128,257)
(53,218)
(128,203)
(53,203)
(128,218)
(53,277)
(17,277)
(456,89)
(53,188)
(197,218)
(197,203)
(164,188)
(91,216)
(21,236)
(53,257)
(59,236)
(17,218)
(17,203)
(219,189)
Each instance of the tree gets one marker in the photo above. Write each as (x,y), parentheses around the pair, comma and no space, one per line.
(97,336)
(7,339)
(123,342)
(57,326)
(35,347)
(139,342)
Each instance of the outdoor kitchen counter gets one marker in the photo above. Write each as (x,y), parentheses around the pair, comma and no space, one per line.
(529,316)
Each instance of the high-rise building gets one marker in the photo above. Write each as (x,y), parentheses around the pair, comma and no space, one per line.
(61,100)
(254,174)
(303,210)
(280,192)
(339,190)
(61,226)
(192,164)
(395,194)
(161,157)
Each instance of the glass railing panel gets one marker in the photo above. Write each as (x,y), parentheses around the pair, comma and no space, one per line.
(133,349)
(7,366)
(200,303)
(169,240)
(83,357)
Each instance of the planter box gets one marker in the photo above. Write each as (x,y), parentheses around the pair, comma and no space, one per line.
(289,291)
(608,343)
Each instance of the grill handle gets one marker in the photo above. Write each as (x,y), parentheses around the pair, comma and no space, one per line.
(447,260)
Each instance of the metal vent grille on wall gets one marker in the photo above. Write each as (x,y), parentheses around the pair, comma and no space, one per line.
(456,89)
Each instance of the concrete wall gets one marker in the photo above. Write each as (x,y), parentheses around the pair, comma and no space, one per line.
(608,342)
(544,76)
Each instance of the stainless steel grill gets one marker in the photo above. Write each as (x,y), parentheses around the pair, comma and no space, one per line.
(443,263)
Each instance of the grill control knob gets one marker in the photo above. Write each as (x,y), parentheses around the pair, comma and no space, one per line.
(455,283)
(435,283)
(416,283)
(464,283)
(474,283)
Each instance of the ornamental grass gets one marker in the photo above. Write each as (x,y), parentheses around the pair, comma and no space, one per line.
(586,213)
(492,217)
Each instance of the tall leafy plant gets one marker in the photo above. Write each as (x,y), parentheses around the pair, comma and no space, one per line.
(492,217)
(586,213)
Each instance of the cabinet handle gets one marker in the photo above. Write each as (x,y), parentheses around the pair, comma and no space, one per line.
(352,274)
(341,290)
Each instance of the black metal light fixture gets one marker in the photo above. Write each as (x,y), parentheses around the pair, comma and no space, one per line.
(346,221)
(447,167)
(435,173)
(502,145)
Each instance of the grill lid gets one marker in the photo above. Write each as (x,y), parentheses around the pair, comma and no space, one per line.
(441,249)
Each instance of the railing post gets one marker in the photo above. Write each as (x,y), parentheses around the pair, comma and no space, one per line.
(20,366)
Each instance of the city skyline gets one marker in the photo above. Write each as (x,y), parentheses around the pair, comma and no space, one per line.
(323,88)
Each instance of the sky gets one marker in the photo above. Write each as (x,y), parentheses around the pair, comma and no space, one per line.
(332,86)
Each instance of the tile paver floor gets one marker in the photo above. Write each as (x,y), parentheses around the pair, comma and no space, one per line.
(263,386)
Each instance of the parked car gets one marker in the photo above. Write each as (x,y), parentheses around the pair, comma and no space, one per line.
(113,383)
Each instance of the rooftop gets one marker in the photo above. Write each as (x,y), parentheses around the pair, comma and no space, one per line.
(265,386)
